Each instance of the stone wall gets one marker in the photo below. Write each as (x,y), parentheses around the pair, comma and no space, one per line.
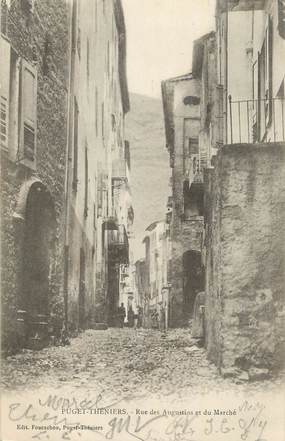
(245,258)
(27,34)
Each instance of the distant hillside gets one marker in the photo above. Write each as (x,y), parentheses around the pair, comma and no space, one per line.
(149,164)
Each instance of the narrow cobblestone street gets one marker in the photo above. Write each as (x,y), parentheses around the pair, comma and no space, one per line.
(124,361)
(123,384)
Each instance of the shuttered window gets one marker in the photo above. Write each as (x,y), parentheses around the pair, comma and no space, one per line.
(28,110)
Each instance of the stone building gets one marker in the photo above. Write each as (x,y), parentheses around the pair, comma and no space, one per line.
(66,204)
(181,103)
(99,207)
(33,128)
(152,272)
(245,194)
(141,280)
(250,73)
(238,126)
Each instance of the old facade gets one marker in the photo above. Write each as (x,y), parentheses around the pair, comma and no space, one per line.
(152,274)
(181,102)
(99,204)
(34,84)
(235,182)
(245,197)
(66,198)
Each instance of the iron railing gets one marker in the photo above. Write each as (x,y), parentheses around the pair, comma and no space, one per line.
(256,121)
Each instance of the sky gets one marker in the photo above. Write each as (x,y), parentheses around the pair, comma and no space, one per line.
(160,34)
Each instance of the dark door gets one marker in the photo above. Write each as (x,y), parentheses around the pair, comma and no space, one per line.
(193,279)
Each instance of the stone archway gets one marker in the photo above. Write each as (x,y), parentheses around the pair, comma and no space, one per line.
(36,251)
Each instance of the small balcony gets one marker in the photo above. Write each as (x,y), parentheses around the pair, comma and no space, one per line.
(118,244)
(256,121)
(194,167)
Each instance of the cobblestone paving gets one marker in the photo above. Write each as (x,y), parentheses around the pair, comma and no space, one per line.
(127,362)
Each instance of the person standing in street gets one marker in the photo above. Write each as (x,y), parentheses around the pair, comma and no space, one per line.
(136,316)
(121,315)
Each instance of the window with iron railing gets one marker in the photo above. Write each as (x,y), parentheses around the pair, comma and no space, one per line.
(248,122)
(259,118)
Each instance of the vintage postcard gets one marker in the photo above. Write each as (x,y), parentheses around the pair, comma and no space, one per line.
(142,220)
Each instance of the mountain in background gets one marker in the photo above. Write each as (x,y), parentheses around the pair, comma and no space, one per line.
(149,164)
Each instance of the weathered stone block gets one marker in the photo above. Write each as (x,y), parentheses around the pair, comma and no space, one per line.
(245,255)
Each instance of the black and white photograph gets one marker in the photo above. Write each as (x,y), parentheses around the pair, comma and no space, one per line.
(142,220)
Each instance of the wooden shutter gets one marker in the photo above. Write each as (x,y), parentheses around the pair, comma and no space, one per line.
(28,110)
(4,91)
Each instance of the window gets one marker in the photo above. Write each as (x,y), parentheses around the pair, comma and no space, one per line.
(74,25)
(191,100)
(86,182)
(281,18)
(268,71)
(113,120)
(75,145)
(255,74)
(28,5)
(28,100)
(190,148)
(75,38)
(265,82)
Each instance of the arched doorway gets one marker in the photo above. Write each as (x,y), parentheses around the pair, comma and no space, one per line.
(193,279)
(36,212)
